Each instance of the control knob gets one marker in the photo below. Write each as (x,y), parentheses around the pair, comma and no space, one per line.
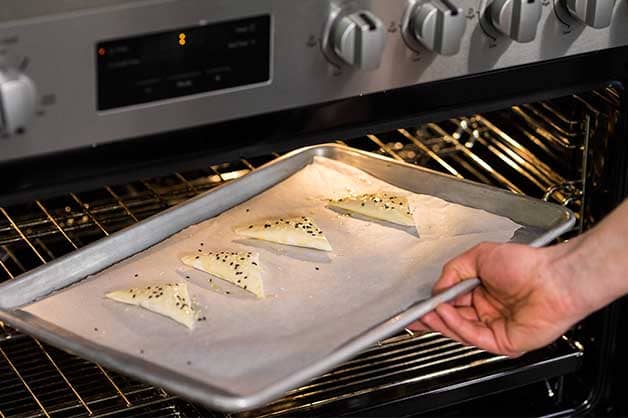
(439,26)
(516,18)
(18,98)
(595,13)
(358,39)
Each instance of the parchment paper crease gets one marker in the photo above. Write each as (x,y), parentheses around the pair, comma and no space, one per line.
(374,272)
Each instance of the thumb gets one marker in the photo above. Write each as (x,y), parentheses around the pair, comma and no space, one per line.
(465,266)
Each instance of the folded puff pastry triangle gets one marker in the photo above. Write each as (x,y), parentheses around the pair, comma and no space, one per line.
(240,268)
(298,231)
(384,206)
(171,300)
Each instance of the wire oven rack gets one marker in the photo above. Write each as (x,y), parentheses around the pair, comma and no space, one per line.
(518,148)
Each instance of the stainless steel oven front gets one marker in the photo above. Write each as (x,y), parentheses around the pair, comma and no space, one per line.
(115,110)
(76,74)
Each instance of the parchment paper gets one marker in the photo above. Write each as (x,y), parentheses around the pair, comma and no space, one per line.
(315,302)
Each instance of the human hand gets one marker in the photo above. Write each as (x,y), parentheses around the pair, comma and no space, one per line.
(522,304)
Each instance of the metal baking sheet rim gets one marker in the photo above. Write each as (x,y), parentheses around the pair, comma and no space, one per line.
(101,254)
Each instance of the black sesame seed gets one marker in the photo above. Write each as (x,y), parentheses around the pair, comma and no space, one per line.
(202,244)
(244,287)
(250,226)
(254,263)
(135,275)
(96,329)
(197,257)
(150,296)
(248,210)
(187,277)
(316,268)
(228,292)
(200,251)
(134,296)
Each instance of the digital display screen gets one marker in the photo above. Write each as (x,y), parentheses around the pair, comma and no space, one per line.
(182,62)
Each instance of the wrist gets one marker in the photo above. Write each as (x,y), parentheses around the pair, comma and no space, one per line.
(565,281)
(580,267)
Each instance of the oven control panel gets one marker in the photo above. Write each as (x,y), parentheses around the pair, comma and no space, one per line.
(80,74)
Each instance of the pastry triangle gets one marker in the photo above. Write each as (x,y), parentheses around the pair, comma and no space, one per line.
(299,231)
(384,206)
(240,268)
(171,300)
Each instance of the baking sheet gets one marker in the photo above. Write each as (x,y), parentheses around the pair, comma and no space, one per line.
(246,345)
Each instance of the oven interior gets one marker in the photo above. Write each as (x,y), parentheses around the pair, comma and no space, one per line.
(558,150)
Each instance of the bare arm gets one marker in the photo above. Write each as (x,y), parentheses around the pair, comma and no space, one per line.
(529,297)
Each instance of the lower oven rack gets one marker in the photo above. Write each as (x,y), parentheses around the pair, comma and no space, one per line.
(39,380)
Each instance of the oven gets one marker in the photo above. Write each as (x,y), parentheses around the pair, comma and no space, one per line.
(116,111)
